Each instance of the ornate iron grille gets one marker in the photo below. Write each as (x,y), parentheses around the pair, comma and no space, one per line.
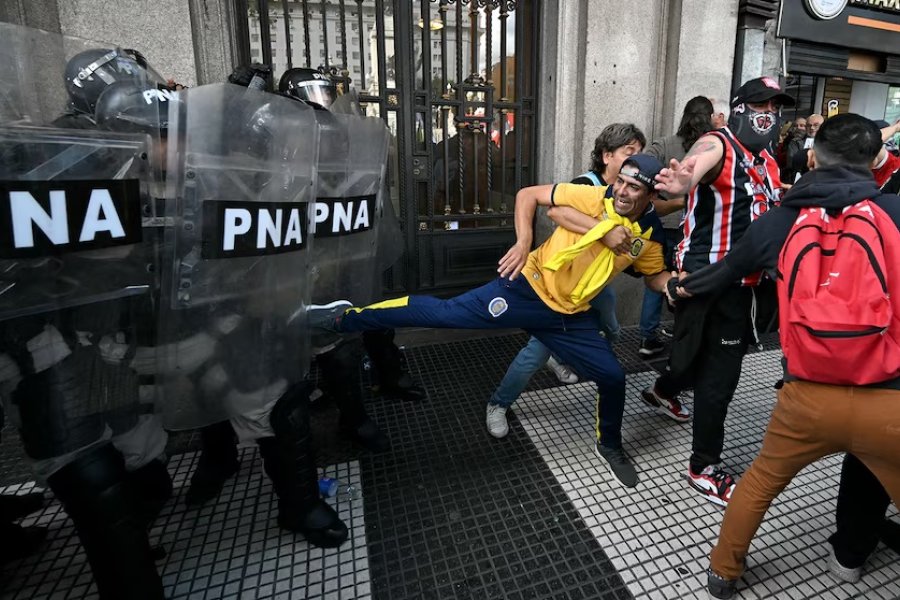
(455,81)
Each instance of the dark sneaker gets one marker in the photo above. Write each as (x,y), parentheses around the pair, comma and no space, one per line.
(19,542)
(208,480)
(651,347)
(403,389)
(714,483)
(326,316)
(14,507)
(719,587)
(665,333)
(670,407)
(618,463)
(839,571)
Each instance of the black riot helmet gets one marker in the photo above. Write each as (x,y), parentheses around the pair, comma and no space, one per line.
(310,85)
(130,106)
(89,73)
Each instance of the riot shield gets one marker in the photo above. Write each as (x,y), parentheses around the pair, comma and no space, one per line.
(349,205)
(77,262)
(240,182)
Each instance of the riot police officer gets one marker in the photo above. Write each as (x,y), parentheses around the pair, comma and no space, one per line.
(339,359)
(77,285)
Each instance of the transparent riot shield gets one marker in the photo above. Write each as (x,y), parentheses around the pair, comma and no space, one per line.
(349,207)
(77,253)
(241,176)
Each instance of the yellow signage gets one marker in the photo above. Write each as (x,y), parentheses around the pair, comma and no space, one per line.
(832,107)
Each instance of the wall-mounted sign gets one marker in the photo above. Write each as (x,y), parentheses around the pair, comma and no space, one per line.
(885,5)
(832,108)
(825,9)
(870,25)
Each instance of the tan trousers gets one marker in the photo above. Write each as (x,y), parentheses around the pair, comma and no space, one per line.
(810,421)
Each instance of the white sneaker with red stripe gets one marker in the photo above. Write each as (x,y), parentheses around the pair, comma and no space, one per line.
(669,407)
(714,483)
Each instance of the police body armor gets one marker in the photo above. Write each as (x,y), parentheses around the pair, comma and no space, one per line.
(232,326)
(76,268)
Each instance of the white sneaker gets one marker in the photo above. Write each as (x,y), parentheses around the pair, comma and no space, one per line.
(496,421)
(839,571)
(562,372)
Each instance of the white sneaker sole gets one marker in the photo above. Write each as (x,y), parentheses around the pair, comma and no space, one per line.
(839,571)
(657,407)
(643,352)
(334,304)
(709,495)
(498,436)
(310,307)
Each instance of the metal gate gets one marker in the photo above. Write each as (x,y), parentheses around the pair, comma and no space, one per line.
(455,81)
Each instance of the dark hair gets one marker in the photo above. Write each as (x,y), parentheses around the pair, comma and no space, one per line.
(695,120)
(847,139)
(612,138)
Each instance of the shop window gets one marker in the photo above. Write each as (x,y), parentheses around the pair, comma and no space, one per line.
(802,88)
(892,110)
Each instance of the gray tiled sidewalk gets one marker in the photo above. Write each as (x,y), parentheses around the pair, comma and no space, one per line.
(228,549)
(659,535)
(451,513)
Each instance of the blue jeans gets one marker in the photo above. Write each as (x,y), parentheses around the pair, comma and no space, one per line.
(651,311)
(503,304)
(534,355)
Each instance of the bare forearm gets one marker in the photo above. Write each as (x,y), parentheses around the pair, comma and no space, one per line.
(667,207)
(526,204)
(890,131)
(571,219)
(658,282)
(708,152)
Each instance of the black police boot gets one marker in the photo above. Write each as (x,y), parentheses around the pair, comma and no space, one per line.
(403,388)
(890,535)
(13,507)
(290,464)
(94,492)
(341,381)
(218,462)
(18,542)
(393,381)
(153,485)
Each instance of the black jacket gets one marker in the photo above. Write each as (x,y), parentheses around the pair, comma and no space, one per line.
(760,247)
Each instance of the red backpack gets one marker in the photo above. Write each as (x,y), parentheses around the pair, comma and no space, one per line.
(839,296)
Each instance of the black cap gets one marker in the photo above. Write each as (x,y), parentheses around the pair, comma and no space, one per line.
(645,169)
(881,123)
(760,90)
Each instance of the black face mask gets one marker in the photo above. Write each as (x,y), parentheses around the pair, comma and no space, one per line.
(757,131)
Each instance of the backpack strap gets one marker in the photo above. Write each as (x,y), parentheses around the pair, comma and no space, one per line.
(593,177)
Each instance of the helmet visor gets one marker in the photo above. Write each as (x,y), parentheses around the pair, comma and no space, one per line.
(320,92)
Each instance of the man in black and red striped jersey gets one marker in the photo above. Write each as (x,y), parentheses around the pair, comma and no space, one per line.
(732,178)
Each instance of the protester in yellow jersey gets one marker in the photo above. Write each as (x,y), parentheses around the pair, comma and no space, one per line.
(549,298)
(569,269)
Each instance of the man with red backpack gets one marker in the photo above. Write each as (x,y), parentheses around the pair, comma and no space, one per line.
(834,245)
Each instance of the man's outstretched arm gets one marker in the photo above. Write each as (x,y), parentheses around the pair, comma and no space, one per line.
(702,161)
(527,201)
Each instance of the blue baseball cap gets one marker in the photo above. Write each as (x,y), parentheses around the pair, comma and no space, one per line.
(644,168)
